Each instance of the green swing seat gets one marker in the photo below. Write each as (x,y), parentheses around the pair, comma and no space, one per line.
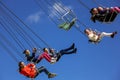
(67,25)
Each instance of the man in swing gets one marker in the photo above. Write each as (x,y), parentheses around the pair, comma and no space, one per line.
(31,71)
(104,14)
(31,57)
(95,37)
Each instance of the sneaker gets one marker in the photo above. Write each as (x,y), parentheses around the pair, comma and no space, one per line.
(75,50)
(51,75)
(113,34)
(72,47)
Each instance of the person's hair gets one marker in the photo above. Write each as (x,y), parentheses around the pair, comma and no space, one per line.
(19,65)
(44,49)
(91,11)
(24,51)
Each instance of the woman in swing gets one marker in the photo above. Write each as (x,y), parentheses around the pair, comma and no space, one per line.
(95,37)
(31,71)
(52,56)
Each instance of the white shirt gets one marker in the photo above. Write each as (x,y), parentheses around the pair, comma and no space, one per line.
(93,37)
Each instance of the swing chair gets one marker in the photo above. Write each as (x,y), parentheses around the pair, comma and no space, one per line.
(61,15)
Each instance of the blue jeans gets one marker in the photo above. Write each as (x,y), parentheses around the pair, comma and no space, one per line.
(69,50)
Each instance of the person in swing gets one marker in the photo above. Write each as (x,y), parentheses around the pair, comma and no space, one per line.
(104,14)
(31,57)
(31,71)
(51,56)
(95,37)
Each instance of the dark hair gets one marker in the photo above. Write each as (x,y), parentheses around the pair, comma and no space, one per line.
(24,51)
(19,65)
(44,49)
(91,11)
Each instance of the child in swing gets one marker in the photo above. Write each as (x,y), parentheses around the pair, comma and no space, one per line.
(95,38)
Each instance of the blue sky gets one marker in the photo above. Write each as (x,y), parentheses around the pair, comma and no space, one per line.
(91,62)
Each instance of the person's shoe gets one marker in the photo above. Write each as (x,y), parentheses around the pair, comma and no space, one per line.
(51,75)
(113,34)
(75,50)
(72,46)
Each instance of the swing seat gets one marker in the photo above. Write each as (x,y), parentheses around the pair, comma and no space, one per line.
(66,25)
(95,42)
(110,17)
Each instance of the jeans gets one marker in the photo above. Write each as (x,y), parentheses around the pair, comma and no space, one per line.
(69,50)
(32,58)
(42,69)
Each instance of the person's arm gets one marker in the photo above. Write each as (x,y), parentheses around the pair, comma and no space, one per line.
(31,65)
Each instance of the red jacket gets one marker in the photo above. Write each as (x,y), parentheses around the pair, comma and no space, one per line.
(29,70)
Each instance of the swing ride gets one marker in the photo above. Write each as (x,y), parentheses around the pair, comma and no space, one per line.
(64,18)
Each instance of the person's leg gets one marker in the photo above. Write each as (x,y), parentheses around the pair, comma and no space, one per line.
(33,55)
(62,52)
(32,58)
(103,34)
(58,56)
(36,59)
(43,69)
(29,58)
(68,52)
(71,47)
(44,55)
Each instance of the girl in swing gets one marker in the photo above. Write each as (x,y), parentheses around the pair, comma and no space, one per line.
(95,37)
